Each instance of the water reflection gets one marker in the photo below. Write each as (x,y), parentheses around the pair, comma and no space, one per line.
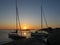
(26,34)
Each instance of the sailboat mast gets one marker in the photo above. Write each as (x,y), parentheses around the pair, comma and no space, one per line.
(41,17)
(16,18)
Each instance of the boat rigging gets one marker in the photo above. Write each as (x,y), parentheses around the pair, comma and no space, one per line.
(15,35)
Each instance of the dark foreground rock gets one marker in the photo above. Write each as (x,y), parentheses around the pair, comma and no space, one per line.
(54,37)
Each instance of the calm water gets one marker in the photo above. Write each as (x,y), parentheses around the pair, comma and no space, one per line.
(4,35)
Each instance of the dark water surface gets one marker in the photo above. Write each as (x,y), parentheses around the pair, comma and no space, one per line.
(4,36)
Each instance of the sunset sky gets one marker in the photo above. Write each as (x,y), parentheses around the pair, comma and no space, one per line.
(29,13)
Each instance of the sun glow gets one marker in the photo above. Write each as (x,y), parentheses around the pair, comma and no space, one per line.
(24,27)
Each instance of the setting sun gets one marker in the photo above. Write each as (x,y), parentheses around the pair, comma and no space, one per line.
(24,27)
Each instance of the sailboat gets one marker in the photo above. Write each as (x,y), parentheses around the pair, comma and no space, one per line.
(15,35)
(41,34)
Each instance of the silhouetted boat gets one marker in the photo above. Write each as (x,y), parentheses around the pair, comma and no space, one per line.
(14,35)
(40,34)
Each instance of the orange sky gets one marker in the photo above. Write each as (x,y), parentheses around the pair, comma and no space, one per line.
(22,26)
